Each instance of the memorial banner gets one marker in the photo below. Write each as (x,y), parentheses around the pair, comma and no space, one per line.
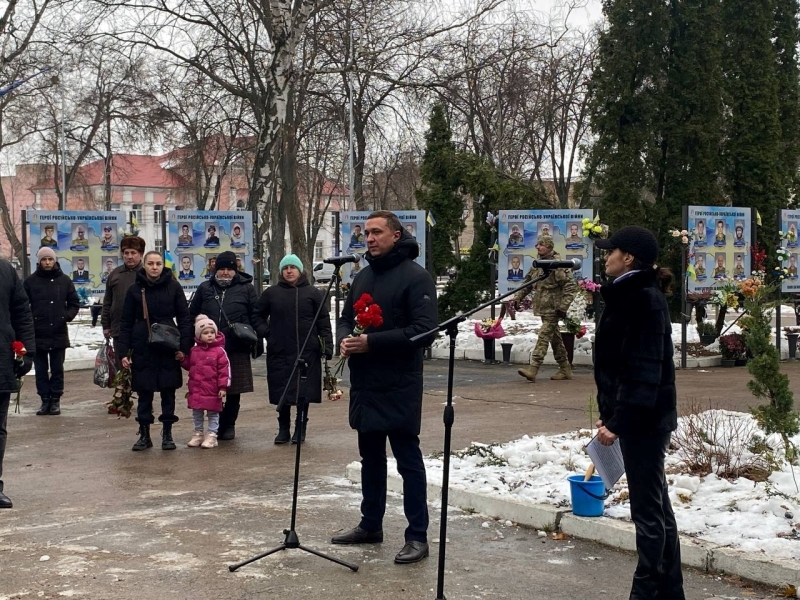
(720,248)
(517,235)
(790,219)
(354,240)
(86,243)
(196,238)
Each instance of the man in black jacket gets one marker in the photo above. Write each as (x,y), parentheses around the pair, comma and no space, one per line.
(386,380)
(16,324)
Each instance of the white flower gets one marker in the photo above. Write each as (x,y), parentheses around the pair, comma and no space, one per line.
(684,232)
(675,233)
(685,240)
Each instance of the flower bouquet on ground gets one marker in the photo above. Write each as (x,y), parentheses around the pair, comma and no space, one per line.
(490,329)
(19,350)
(330,383)
(366,313)
(121,402)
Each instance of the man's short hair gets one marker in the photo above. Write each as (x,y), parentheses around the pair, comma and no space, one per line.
(391,219)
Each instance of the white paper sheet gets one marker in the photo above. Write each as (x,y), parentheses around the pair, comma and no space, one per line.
(607,461)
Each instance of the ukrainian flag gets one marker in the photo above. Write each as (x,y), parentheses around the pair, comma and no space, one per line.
(430,220)
(168,262)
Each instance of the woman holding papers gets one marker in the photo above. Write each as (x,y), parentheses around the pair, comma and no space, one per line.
(635,379)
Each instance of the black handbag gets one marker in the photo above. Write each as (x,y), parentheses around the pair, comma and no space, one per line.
(161,335)
(241,331)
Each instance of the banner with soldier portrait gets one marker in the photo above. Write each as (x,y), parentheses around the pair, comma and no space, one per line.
(719,247)
(354,239)
(790,221)
(518,232)
(86,243)
(196,238)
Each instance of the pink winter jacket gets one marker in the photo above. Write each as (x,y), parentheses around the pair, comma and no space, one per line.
(209,372)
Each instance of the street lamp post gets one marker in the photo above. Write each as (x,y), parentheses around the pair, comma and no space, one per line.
(350,135)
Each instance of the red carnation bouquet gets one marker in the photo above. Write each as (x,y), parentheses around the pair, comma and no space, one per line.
(19,350)
(366,314)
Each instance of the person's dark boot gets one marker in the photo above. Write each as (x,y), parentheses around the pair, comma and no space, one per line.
(299,433)
(412,552)
(5,501)
(55,405)
(44,409)
(167,443)
(283,435)
(227,434)
(144,442)
(284,425)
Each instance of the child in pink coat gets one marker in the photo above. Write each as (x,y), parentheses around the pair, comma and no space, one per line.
(209,378)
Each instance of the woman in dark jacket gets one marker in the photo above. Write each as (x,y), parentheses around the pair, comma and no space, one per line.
(155,369)
(54,303)
(233,293)
(635,377)
(290,307)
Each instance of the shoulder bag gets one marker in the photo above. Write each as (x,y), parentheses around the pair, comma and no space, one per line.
(161,335)
(241,331)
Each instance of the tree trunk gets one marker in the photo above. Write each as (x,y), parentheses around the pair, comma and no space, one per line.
(8,227)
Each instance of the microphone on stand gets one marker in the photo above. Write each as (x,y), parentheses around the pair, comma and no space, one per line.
(573,264)
(341,260)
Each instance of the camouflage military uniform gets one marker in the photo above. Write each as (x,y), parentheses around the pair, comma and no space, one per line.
(552,295)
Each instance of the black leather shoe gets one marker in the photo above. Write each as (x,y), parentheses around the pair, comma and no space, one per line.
(5,501)
(412,552)
(282,437)
(228,434)
(358,536)
(44,409)
(55,407)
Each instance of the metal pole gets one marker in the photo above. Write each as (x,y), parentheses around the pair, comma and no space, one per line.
(63,158)
(779,306)
(338,271)
(685,308)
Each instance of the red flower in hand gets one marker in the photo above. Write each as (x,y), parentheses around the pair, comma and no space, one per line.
(362,303)
(370,316)
(18,349)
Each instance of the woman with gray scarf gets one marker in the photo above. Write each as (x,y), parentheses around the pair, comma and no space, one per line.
(229,297)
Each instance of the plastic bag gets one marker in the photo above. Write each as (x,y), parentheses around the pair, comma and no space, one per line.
(105,366)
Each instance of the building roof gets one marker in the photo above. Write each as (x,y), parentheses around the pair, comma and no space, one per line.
(128,170)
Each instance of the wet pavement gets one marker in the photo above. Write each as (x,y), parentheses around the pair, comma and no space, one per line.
(117,524)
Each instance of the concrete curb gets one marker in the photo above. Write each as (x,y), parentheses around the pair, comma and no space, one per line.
(610,532)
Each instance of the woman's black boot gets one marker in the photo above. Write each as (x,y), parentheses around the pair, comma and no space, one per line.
(144,442)
(167,443)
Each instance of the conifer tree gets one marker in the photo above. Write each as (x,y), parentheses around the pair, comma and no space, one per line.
(753,130)
(440,188)
(785,42)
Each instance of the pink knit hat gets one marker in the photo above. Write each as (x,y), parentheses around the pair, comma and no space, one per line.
(45,252)
(202,322)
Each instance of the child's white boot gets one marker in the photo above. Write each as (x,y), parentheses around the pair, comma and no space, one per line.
(197,439)
(210,441)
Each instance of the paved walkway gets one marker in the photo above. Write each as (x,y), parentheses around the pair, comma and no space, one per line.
(124,525)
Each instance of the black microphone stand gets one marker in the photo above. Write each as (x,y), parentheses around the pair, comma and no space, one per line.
(451,328)
(292,541)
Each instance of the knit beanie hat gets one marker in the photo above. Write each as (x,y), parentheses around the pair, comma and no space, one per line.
(45,252)
(202,322)
(293,260)
(226,260)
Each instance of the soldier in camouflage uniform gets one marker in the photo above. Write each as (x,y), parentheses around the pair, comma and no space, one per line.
(551,299)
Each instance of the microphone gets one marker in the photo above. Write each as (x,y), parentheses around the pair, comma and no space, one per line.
(343,259)
(573,264)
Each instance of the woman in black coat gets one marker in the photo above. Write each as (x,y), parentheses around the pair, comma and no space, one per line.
(290,307)
(231,292)
(154,369)
(54,303)
(635,377)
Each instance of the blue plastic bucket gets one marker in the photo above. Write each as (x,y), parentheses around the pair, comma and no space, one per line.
(587,496)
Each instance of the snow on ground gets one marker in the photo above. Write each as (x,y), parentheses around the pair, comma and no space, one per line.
(84,339)
(742,514)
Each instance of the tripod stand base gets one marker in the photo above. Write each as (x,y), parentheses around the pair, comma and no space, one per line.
(292,542)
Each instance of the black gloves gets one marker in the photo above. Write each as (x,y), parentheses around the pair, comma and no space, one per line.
(22,368)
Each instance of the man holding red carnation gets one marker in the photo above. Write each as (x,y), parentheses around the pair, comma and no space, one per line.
(16,340)
(390,302)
